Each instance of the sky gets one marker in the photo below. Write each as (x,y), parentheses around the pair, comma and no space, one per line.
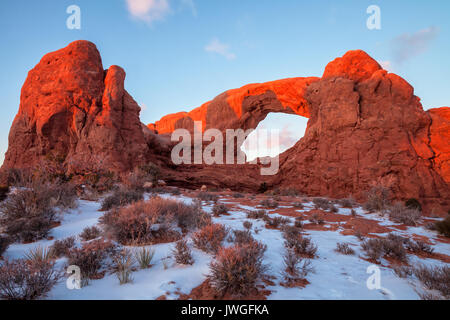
(179,54)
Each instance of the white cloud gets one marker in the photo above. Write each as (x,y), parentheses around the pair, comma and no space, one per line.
(407,46)
(191,5)
(143,107)
(387,65)
(223,49)
(148,10)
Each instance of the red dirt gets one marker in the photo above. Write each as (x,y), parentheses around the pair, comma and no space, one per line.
(206,292)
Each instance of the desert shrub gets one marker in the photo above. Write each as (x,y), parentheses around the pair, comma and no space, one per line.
(134,180)
(419,246)
(344,248)
(359,235)
(182,253)
(242,237)
(259,214)
(295,267)
(287,192)
(247,225)
(146,222)
(4,243)
(298,223)
(321,203)
(12,177)
(237,195)
(401,214)
(192,216)
(4,190)
(347,202)
(393,246)
(210,237)
(305,247)
(403,271)
(206,196)
(443,226)
(302,246)
(151,171)
(91,257)
(277,221)
(26,280)
(90,233)
(61,247)
(413,204)
(377,199)
(144,257)
(90,194)
(298,205)
(39,254)
(276,198)
(434,278)
(64,195)
(263,187)
(123,266)
(334,209)
(373,248)
(121,198)
(316,219)
(28,214)
(219,209)
(175,191)
(269,203)
(291,236)
(161,190)
(237,269)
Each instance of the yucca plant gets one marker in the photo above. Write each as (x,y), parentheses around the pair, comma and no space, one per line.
(144,257)
(123,266)
(40,254)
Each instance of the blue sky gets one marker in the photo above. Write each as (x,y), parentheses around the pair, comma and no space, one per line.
(179,54)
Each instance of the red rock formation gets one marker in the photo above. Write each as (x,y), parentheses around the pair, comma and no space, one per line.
(366,127)
(71,107)
(242,108)
(440,140)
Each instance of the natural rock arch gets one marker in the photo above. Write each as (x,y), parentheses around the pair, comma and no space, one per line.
(366,127)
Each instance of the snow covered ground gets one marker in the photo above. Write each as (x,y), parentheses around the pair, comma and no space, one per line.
(335,276)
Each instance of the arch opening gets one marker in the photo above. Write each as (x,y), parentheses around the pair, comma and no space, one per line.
(274,135)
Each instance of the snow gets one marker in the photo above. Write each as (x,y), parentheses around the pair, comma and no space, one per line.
(335,276)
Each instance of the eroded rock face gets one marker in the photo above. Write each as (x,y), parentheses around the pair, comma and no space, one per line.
(242,108)
(368,128)
(74,109)
(440,140)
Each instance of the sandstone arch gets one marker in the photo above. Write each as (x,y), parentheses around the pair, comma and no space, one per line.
(365,126)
